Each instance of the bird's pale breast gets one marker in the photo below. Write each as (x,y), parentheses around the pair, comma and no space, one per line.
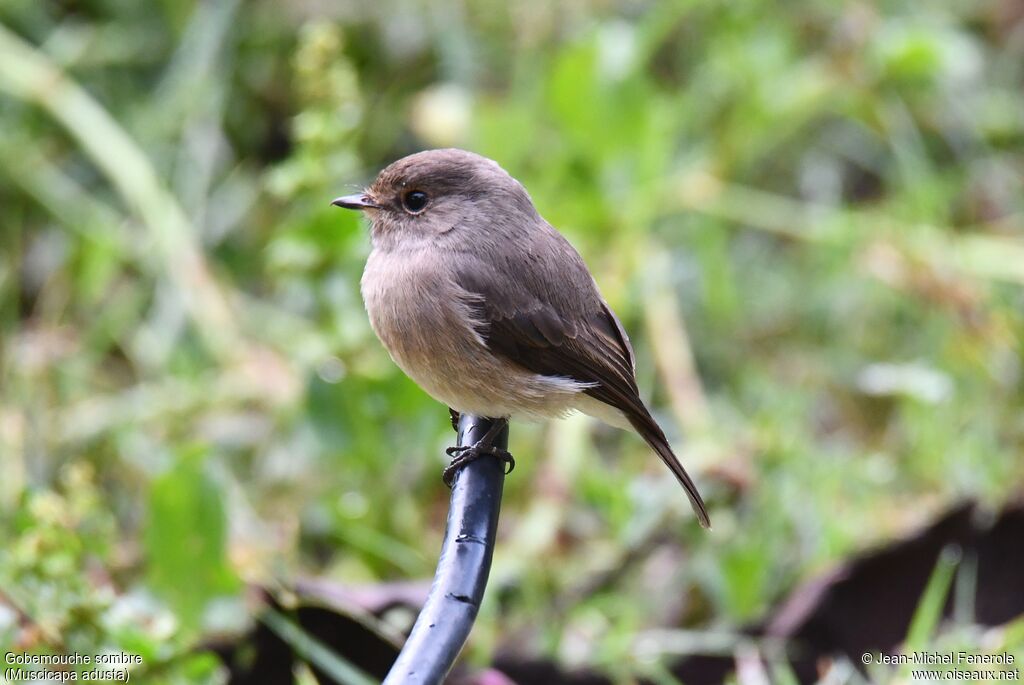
(428,325)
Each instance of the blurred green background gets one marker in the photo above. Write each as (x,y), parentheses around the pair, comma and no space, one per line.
(808,215)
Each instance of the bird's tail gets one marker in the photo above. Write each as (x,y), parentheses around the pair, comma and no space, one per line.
(651,432)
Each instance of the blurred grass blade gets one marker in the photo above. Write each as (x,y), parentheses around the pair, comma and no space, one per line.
(659,674)
(195,62)
(78,210)
(28,74)
(315,652)
(382,546)
(782,672)
(983,256)
(670,340)
(189,103)
(929,609)
(996,257)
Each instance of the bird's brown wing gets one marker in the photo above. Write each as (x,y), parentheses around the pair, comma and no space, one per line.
(566,329)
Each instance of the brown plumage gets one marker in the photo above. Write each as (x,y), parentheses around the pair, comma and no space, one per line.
(488,307)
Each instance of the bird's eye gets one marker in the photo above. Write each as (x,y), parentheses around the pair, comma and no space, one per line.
(414,201)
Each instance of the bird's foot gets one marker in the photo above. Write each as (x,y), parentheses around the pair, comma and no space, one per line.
(464,454)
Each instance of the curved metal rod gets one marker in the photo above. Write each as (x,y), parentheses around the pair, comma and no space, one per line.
(448,614)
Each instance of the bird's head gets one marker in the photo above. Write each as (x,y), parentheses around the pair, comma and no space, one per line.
(437,195)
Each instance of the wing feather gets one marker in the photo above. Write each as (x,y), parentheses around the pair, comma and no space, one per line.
(566,330)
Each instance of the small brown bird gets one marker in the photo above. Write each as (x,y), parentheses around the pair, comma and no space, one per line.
(489,308)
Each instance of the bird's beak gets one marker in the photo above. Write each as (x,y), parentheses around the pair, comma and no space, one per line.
(358,201)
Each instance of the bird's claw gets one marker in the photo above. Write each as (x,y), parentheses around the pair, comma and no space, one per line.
(464,454)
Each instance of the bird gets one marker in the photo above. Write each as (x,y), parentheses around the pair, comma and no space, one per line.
(490,309)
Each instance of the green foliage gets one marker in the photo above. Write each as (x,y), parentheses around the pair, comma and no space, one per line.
(51,537)
(185,538)
(808,217)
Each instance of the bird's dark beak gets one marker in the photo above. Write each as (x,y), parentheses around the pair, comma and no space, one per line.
(357,201)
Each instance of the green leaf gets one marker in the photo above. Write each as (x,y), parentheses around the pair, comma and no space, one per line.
(185,539)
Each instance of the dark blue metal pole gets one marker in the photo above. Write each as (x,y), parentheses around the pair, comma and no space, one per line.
(451,607)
